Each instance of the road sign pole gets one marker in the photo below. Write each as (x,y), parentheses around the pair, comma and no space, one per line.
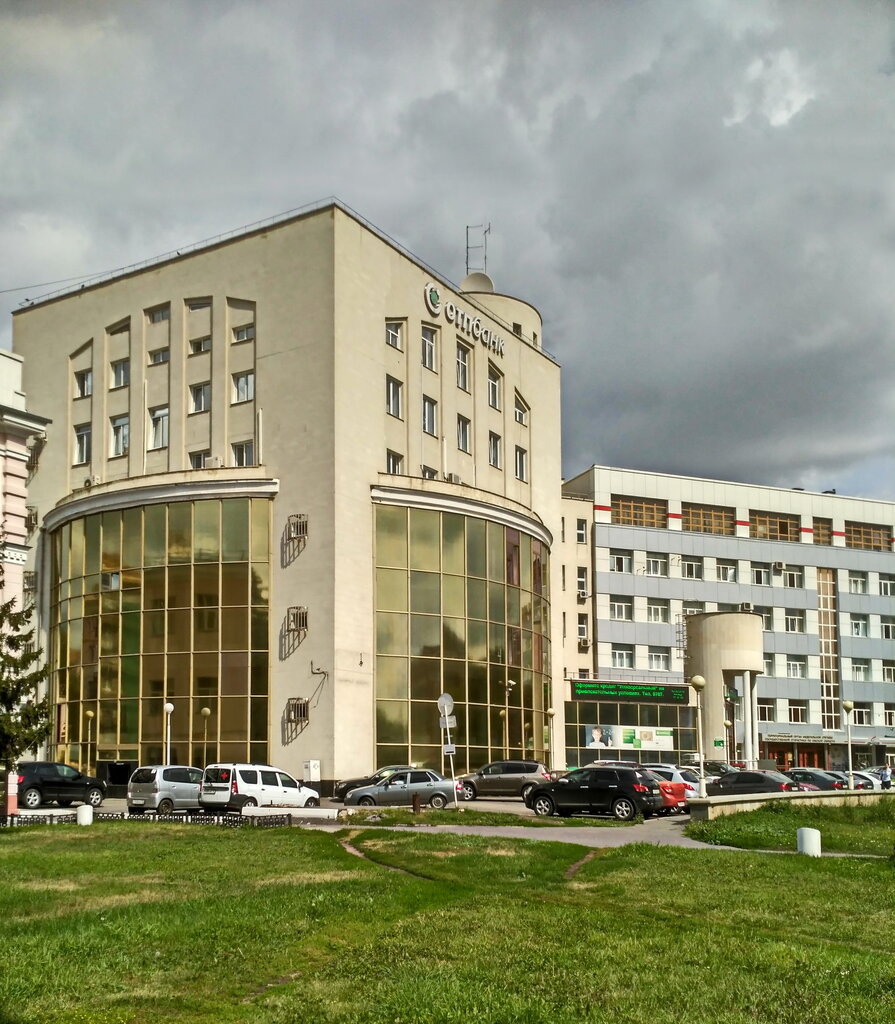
(446,706)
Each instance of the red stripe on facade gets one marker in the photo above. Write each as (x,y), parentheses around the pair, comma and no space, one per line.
(603,508)
(742,522)
(837,533)
(675,515)
(807,529)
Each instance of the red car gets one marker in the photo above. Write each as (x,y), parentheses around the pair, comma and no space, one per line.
(674,794)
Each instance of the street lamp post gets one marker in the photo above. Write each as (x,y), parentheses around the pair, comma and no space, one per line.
(205,712)
(727,743)
(506,717)
(848,706)
(168,709)
(89,716)
(698,684)
(550,713)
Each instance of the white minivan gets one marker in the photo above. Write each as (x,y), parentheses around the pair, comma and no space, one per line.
(231,786)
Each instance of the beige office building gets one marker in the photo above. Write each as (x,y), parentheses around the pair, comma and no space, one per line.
(296,485)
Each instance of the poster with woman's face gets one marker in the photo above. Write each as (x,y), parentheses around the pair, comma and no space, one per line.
(597,736)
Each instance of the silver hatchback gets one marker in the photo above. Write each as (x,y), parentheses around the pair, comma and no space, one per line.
(163,788)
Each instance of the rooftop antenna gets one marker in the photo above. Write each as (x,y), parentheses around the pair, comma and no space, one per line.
(473,233)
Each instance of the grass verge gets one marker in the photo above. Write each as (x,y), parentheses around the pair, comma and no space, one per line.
(466,815)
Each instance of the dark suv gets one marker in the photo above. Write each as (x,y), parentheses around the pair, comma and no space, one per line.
(622,792)
(41,782)
(504,778)
(753,781)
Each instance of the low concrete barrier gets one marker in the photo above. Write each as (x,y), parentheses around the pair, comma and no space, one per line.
(302,813)
(717,806)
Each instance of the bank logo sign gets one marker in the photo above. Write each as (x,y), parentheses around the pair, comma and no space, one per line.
(470,325)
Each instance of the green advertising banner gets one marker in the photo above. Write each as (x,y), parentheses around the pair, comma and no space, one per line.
(594,689)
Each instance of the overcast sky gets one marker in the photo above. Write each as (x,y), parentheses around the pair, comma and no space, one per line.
(698,195)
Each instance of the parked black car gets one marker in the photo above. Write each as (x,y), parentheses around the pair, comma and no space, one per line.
(42,782)
(622,792)
(758,781)
(814,777)
(344,786)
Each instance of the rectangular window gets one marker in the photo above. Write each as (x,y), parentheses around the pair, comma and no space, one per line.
(428,473)
(774,526)
(726,572)
(693,607)
(429,353)
(761,574)
(621,609)
(769,668)
(430,416)
(495,386)
(393,403)
(861,715)
(462,367)
(656,565)
(521,463)
(243,387)
(622,656)
(887,627)
(159,355)
(657,610)
(798,711)
(157,316)
(83,383)
(243,453)
(794,577)
(581,579)
(708,519)
(199,459)
(394,463)
(767,617)
(394,330)
(120,439)
(620,561)
(158,427)
(889,715)
(859,625)
(869,536)
(796,666)
(860,670)
(520,410)
(889,671)
(659,659)
(198,345)
(121,373)
(857,582)
(886,584)
(691,568)
(582,628)
(82,444)
(581,531)
(765,710)
(794,621)
(246,333)
(639,512)
(200,397)
(464,434)
(494,450)
(823,531)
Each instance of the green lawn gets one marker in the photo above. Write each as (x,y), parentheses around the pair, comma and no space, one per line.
(124,922)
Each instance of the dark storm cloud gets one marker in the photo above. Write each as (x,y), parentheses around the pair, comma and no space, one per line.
(698,196)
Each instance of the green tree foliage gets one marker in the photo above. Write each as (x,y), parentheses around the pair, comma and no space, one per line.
(24,715)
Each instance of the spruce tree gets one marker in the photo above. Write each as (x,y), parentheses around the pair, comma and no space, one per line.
(24,714)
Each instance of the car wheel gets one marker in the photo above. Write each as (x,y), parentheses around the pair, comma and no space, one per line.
(64,803)
(469,792)
(624,809)
(250,801)
(165,806)
(526,790)
(31,798)
(94,796)
(367,801)
(312,802)
(543,806)
(438,801)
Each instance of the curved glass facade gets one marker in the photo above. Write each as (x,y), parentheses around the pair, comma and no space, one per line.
(155,604)
(462,606)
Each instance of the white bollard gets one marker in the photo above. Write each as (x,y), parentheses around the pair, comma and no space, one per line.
(85,814)
(808,842)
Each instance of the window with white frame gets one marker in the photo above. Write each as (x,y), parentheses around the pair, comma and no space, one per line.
(462,367)
(693,607)
(121,373)
(495,386)
(200,397)
(659,659)
(859,625)
(243,387)
(761,574)
(581,579)
(580,531)
(583,673)
(582,628)
(889,671)
(860,670)
(158,427)
(861,715)
(157,316)
(691,568)
(198,460)
(83,383)
(393,396)
(889,715)
(857,582)
(243,453)
(159,355)
(887,584)
(464,433)
(620,561)
(520,410)
(430,416)
(767,617)
(657,610)
(521,463)
(766,709)
(429,348)
(794,620)
(120,436)
(621,609)
(793,576)
(796,666)
(200,345)
(82,452)
(656,565)
(622,656)
(394,463)
(726,572)
(246,333)
(494,450)
(394,330)
(429,472)
(887,627)
(798,711)
(768,668)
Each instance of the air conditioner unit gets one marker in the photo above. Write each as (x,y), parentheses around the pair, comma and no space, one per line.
(777,566)
(90,481)
(584,641)
(453,478)
(297,620)
(297,526)
(214,462)
(31,518)
(747,606)
(582,595)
